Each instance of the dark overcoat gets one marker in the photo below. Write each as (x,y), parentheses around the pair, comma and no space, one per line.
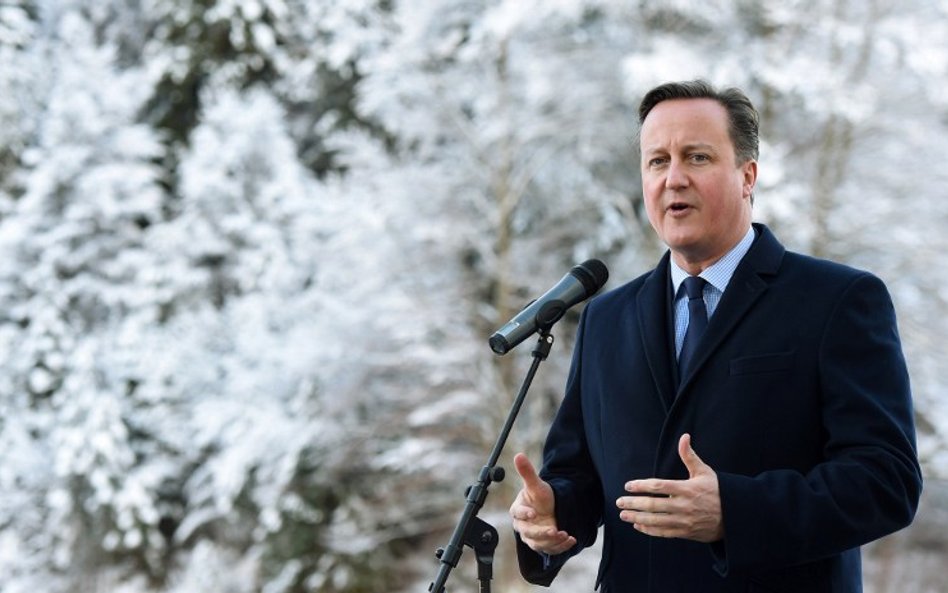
(798,398)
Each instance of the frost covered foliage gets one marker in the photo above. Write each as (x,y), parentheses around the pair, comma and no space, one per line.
(183,408)
(250,252)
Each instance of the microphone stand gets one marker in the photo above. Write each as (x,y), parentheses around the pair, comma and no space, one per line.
(471,530)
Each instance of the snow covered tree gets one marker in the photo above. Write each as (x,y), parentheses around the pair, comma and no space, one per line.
(73,237)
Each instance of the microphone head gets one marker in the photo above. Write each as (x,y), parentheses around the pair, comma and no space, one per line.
(592,273)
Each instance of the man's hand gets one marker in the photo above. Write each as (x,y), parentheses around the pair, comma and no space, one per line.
(687,509)
(532,512)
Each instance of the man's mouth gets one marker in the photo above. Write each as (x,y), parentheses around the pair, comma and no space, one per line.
(678,207)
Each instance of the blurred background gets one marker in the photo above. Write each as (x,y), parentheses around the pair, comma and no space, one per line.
(251,252)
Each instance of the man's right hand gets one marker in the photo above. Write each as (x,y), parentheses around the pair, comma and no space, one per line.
(532,512)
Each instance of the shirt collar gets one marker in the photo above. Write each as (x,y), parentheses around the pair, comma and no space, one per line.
(719,273)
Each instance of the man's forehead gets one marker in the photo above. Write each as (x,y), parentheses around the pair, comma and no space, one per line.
(686,110)
(685,122)
(697,104)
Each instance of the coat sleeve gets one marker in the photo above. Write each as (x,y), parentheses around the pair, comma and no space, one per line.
(568,467)
(869,482)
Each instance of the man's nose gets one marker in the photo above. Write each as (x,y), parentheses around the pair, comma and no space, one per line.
(676,177)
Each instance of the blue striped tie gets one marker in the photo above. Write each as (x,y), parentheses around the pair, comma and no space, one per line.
(697,322)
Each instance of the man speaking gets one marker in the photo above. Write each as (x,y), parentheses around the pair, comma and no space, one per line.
(737,419)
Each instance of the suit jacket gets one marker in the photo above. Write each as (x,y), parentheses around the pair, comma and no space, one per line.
(798,398)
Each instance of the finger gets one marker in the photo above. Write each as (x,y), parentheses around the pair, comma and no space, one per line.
(531,480)
(568,543)
(650,504)
(531,531)
(551,546)
(541,536)
(651,521)
(547,548)
(656,531)
(521,511)
(653,486)
(669,523)
(688,456)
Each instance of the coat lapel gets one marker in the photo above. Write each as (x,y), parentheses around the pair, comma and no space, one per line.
(654,310)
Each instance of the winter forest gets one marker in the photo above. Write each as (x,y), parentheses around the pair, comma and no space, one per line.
(251,252)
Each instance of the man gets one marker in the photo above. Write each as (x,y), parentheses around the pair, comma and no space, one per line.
(747,436)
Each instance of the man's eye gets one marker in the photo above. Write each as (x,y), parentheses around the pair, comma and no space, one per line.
(656,162)
(700,158)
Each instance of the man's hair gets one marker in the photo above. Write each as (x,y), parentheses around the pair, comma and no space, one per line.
(744,122)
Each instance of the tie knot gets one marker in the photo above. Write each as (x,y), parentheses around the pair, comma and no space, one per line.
(694,287)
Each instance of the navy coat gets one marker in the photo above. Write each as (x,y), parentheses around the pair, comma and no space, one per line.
(798,398)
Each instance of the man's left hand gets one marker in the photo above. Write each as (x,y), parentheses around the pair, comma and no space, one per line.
(687,509)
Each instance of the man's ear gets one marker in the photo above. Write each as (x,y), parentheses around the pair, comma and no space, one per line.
(749,169)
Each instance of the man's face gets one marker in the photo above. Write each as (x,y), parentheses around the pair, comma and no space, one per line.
(696,195)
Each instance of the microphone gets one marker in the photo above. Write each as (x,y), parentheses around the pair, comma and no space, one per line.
(583,281)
